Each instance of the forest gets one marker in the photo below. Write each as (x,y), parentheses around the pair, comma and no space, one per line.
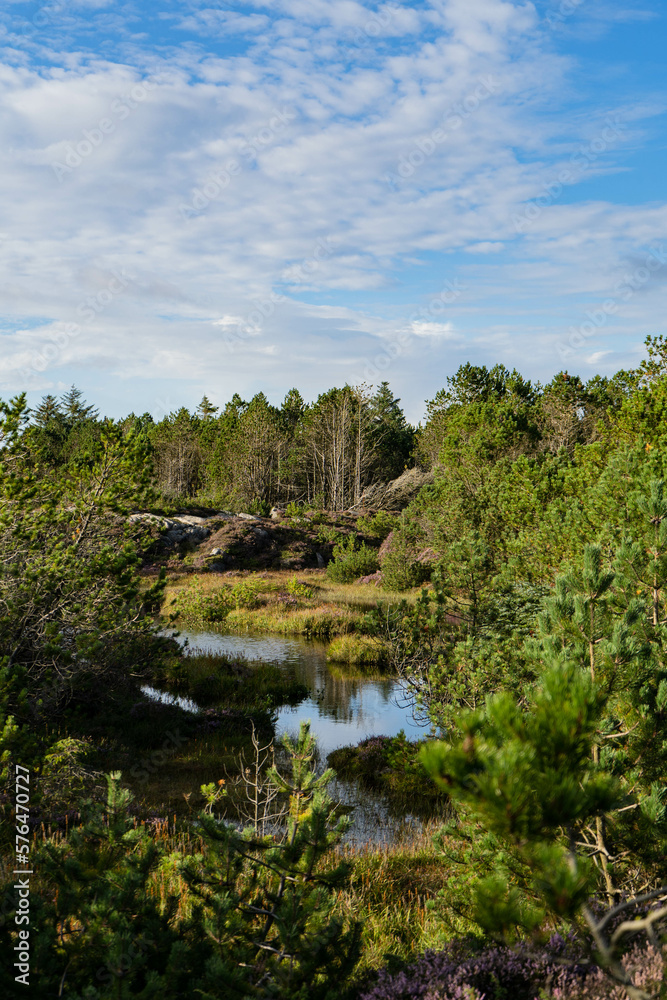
(517,594)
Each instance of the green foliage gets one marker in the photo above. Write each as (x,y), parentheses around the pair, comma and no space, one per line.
(275,932)
(298,589)
(256,920)
(525,776)
(401,567)
(392,765)
(328,534)
(195,606)
(358,651)
(378,525)
(231,681)
(352,560)
(70,595)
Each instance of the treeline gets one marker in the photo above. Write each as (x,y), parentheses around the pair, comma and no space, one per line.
(253,455)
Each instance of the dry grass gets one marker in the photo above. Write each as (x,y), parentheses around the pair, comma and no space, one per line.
(280,601)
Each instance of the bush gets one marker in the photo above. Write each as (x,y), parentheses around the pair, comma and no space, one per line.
(194,607)
(464,971)
(378,525)
(328,534)
(401,569)
(297,589)
(350,562)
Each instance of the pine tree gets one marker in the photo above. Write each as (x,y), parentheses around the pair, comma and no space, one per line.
(275,933)
(48,410)
(529,779)
(74,407)
(206,410)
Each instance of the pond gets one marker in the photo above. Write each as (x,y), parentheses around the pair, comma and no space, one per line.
(342,712)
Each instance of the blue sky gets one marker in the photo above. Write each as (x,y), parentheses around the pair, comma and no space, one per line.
(233,197)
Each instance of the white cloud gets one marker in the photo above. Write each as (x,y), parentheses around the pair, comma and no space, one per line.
(439,330)
(353,162)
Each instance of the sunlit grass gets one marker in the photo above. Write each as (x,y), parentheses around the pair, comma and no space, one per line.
(276,601)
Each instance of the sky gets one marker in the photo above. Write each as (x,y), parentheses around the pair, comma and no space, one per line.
(246,196)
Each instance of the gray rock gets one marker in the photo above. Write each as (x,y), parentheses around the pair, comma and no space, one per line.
(249,517)
(260,533)
(189,519)
(215,552)
(320,559)
(164,523)
(194,532)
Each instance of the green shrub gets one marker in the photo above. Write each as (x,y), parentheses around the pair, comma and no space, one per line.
(401,569)
(327,533)
(259,507)
(351,562)
(194,607)
(245,594)
(297,589)
(378,525)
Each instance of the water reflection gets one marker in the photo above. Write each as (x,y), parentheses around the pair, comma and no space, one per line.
(342,710)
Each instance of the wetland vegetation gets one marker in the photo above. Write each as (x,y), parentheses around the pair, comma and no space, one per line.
(513,597)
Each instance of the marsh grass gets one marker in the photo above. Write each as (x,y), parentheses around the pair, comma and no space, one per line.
(391,890)
(210,678)
(391,766)
(278,601)
(366,653)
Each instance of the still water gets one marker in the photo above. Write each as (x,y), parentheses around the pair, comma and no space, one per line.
(342,711)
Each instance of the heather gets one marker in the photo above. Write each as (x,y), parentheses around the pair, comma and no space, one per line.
(558,971)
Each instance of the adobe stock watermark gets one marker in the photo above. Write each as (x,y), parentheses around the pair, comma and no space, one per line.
(45,17)
(597,318)
(425,147)
(448,294)
(240,329)
(217,182)
(557,15)
(580,161)
(92,138)
(373,28)
(151,764)
(88,309)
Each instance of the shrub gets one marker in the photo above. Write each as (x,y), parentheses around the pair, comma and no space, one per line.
(245,594)
(327,534)
(351,562)
(379,525)
(195,607)
(401,568)
(464,971)
(297,589)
